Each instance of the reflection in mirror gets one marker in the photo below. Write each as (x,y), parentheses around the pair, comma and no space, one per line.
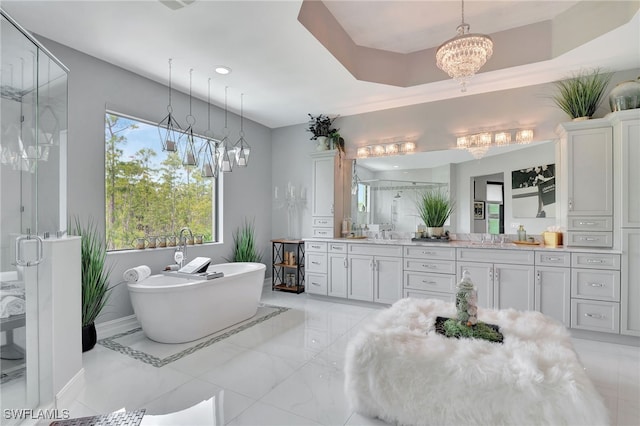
(456,168)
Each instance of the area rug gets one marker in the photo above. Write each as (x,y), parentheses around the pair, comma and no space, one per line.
(135,344)
(399,369)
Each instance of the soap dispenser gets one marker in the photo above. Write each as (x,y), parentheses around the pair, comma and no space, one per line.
(522,234)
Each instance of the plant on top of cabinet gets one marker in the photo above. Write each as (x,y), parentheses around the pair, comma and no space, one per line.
(244,244)
(434,208)
(580,95)
(321,128)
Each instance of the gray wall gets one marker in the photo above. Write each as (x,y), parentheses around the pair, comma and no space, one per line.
(95,85)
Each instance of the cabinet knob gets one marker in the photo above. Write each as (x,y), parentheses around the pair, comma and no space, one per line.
(430,253)
(552,259)
(596,284)
(428,282)
(570,204)
(587,223)
(588,239)
(595,316)
(595,261)
(429,266)
(315,263)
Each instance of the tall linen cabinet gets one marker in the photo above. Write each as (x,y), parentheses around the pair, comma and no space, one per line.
(626,135)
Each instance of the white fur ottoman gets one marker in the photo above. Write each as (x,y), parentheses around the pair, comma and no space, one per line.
(398,369)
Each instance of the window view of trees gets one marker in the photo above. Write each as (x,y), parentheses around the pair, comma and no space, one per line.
(148,191)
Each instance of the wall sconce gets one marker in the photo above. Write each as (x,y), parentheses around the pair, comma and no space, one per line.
(478,144)
(386,149)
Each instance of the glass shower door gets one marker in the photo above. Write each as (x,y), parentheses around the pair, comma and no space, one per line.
(33,121)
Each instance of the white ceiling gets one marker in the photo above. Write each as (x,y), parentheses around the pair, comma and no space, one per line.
(282,69)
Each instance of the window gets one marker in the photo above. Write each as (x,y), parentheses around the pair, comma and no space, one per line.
(149,193)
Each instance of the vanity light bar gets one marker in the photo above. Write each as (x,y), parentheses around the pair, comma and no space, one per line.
(500,138)
(382,150)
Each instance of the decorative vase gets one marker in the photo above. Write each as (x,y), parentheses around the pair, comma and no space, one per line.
(625,95)
(435,232)
(89,337)
(466,301)
(322,143)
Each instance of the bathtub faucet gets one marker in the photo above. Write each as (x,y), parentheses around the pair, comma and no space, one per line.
(182,243)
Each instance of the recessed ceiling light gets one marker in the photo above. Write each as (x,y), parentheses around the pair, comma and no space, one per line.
(396,166)
(223,70)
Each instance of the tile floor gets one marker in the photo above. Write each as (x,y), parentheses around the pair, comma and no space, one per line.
(288,371)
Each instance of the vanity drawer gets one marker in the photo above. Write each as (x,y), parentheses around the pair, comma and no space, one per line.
(316,262)
(314,246)
(428,265)
(375,249)
(418,252)
(323,222)
(591,223)
(323,232)
(595,316)
(429,282)
(519,257)
(595,284)
(417,294)
(549,258)
(337,248)
(595,260)
(316,284)
(589,239)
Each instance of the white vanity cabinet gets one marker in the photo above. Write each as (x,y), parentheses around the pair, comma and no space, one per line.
(586,182)
(595,292)
(626,134)
(338,267)
(315,267)
(330,202)
(500,285)
(374,272)
(552,294)
(630,283)
(430,272)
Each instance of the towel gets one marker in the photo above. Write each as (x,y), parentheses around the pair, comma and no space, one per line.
(136,274)
(11,305)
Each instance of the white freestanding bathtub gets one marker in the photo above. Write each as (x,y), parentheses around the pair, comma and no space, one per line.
(173,309)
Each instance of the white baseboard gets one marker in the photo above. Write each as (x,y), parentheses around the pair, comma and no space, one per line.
(70,391)
(120,325)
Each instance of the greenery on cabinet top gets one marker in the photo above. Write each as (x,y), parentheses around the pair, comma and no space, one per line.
(149,192)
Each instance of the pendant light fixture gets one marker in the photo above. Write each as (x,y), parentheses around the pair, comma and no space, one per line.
(225,151)
(189,156)
(208,150)
(463,55)
(242,147)
(168,128)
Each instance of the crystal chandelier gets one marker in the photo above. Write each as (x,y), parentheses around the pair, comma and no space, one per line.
(462,56)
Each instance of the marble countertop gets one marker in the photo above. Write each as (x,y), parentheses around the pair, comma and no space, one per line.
(464,244)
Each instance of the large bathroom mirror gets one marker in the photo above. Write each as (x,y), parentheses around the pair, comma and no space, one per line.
(482,189)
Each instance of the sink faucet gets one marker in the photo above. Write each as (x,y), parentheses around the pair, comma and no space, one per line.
(182,244)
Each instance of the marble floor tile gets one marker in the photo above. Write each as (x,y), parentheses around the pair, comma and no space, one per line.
(251,373)
(267,415)
(289,371)
(314,392)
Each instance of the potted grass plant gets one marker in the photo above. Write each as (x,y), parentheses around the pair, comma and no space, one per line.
(244,244)
(580,95)
(434,208)
(95,279)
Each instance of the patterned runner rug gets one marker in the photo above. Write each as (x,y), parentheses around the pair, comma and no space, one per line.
(135,344)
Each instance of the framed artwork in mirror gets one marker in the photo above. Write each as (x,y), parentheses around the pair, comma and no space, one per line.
(478,210)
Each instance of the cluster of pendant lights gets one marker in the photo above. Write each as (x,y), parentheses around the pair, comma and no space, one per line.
(212,156)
